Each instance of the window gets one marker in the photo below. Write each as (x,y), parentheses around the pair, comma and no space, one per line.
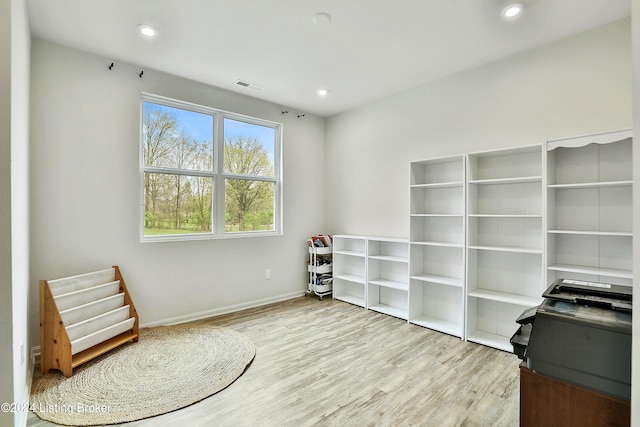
(207,173)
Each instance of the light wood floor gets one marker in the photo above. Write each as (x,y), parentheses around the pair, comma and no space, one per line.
(329,363)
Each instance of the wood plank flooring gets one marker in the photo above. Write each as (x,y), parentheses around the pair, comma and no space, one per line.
(329,363)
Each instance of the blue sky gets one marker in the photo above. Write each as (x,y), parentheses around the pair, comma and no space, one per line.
(265,135)
(200,127)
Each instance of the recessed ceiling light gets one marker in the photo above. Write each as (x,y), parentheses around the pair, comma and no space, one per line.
(147,30)
(512,10)
(322,92)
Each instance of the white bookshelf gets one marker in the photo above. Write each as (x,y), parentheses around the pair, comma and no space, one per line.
(388,276)
(437,242)
(589,202)
(505,244)
(350,269)
(489,231)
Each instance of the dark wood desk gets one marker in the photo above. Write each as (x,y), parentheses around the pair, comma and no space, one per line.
(549,402)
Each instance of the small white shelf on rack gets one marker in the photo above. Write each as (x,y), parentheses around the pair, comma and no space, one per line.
(508,180)
(489,339)
(389,284)
(437,324)
(595,271)
(439,244)
(439,185)
(390,310)
(506,297)
(351,278)
(579,185)
(390,258)
(439,280)
(592,233)
(433,215)
(350,253)
(511,249)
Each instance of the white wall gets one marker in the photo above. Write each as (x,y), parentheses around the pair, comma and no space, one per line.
(20,88)
(85,191)
(6,318)
(16,365)
(84,141)
(577,86)
(635,368)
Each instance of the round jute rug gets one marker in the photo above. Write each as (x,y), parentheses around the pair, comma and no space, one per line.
(167,369)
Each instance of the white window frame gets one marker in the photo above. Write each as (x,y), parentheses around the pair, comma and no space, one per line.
(218,175)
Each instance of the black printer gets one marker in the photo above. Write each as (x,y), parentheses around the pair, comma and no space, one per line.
(580,334)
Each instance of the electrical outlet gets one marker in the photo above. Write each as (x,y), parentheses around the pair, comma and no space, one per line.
(267,274)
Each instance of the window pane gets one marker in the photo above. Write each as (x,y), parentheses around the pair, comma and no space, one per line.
(249,149)
(248,205)
(177,204)
(176,138)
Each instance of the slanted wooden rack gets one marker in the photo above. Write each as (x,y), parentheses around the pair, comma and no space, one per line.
(82,317)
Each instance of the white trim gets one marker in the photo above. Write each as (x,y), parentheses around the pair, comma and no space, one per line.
(209,236)
(217,175)
(35,351)
(581,141)
(22,416)
(263,178)
(185,172)
(532,148)
(222,310)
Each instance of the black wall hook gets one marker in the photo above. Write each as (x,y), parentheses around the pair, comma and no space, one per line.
(111,66)
(141,73)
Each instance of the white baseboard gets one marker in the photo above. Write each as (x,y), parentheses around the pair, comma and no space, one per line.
(219,311)
(22,416)
(35,351)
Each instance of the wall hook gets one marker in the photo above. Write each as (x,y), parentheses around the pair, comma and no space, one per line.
(141,73)
(301,116)
(111,66)
(285,112)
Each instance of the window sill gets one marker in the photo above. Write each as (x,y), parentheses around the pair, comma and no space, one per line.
(208,236)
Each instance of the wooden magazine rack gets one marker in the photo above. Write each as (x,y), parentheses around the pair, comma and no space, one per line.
(82,317)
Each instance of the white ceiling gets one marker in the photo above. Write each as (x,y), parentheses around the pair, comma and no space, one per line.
(370,48)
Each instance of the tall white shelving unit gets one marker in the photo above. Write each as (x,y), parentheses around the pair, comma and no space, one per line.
(490,231)
(350,269)
(388,276)
(505,245)
(437,241)
(590,214)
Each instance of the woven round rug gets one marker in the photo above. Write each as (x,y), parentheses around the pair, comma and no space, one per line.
(167,369)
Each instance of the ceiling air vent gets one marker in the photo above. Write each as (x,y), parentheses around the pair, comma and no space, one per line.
(249,85)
